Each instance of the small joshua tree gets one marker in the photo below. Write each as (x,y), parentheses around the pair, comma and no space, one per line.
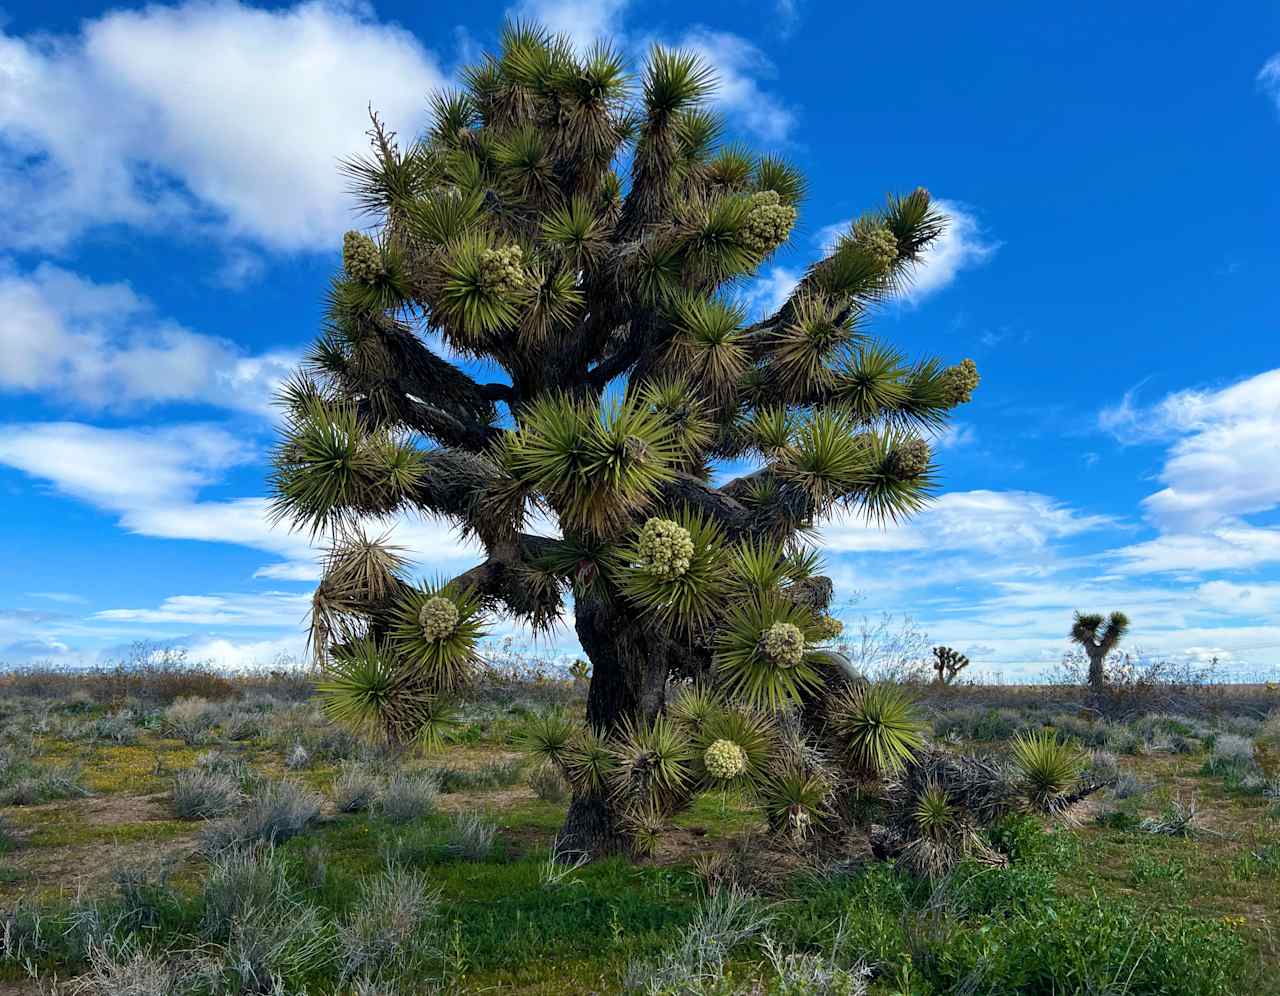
(626,375)
(1098,637)
(947,663)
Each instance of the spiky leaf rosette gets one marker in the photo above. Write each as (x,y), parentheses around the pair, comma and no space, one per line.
(364,687)
(588,761)
(549,736)
(675,569)
(435,630)
(764,666)
(878,727)
(333,469)
(1047,767)
(692,705)
(796,801)
(672,399)
(653,764)
(600,467)
(645,827)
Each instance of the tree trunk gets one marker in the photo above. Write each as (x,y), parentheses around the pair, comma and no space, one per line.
(629,664)
(1097,676)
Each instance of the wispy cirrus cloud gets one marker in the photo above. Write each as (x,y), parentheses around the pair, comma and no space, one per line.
(153,480)
(1269,79)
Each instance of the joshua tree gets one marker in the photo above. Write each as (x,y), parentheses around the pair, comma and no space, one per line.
(947,663)
(1098,637)
(622,377)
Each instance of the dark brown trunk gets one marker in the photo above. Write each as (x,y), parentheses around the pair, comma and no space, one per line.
(629,664)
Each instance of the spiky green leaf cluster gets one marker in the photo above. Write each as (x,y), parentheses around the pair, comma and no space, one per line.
(877,726)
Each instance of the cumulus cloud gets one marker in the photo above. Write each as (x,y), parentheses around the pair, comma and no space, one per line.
(1221,464)
(215,116)
(103,346)
(963,246)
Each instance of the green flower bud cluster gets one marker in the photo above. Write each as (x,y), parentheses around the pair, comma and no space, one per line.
(880,243)
(666,548)
(783,643)
(360,258)
(438,618)
(909,460)
(502,270)
(831,627)
(960,381)
(724,760)
(769,222)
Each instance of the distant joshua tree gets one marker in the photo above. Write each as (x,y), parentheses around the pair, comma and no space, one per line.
(1098,637)
(947,663)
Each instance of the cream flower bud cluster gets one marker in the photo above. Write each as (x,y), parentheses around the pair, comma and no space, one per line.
(909,460)
(960,381)
(879,242)
(666,548)
(724,760)
(783,643)
(769,222)
(502,270)
(438,618)
(360,258)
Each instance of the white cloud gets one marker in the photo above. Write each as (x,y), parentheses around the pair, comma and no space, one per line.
(1222,464)
(152,479)
(120,469)
(962,246)
(270,608)
(1231,546)
(103,346)
(954,435)
(788,12)
(769,291)
(582,21)
(200,113)
(241,655)
(992,522)
(739,67)
(1269,79)
(1261,598)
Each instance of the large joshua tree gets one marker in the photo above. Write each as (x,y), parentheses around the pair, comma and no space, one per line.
(1098,636)
(581,238)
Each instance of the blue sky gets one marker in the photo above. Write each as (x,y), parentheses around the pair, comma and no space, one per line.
(171,213)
